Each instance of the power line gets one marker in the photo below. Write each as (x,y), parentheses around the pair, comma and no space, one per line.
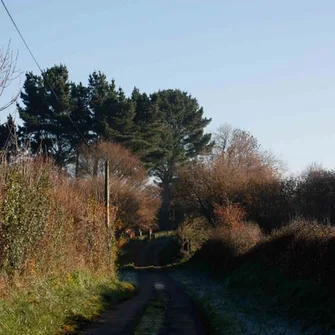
(39,67)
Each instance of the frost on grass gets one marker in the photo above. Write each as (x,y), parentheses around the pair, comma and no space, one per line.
(231,314)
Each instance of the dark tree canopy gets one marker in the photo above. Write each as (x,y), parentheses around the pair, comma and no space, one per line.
(182,138)
(164,129)
(183,135)
(8,140)
(45,123)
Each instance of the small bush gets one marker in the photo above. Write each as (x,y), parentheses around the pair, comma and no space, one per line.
(192,233)
(229,216)
(25,208)
(226,244)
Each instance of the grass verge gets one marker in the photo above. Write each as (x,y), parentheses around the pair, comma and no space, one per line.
(255,298)
(153,318)
(59,306)
(304,299)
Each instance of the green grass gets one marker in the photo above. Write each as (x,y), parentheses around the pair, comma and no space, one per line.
(53,306)
(165,233)
(153,318)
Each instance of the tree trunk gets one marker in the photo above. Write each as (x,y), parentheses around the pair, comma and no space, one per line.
(77,164)
(164,216)
(95,167)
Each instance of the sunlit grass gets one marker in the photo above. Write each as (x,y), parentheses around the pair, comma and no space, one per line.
(59,306)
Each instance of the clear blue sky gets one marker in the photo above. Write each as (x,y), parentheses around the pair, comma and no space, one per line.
(265,66)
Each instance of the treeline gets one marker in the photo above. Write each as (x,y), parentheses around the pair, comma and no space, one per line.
(163,129)
(239,209)
(240,173)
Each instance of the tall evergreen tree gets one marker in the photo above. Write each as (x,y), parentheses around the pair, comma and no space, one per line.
(81,116)
(112,111)
(183,138)
(46,101)
(8,139)
(147,128)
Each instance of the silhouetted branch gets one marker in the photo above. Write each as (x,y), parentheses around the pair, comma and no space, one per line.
(8,73)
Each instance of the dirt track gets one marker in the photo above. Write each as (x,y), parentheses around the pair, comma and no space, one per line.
(181,315)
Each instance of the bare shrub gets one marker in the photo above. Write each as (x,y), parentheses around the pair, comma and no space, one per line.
(134,200)
(222,181)
(122,163)
(227,243)
(8,73)
(230,215)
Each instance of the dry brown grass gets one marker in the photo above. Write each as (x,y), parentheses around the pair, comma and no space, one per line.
(71,232)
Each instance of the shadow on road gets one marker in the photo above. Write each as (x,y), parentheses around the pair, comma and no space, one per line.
(181,315)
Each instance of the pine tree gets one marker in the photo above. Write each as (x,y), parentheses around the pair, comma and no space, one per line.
(112,111)
(46,101)
(147,128)
(8,139)
(182,139)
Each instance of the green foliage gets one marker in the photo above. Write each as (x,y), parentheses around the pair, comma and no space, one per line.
(153,318)
(148,128)
(24,212)
(112,112)
(53,305)
(182,139)
(165,128)
(7,131)
(45,123)
(192,234)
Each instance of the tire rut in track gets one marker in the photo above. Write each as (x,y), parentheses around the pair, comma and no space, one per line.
(182,316)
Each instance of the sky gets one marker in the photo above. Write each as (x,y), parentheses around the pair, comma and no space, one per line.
(264,66)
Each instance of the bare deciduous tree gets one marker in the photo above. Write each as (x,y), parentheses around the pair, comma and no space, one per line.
(238,147)
(8,73)
(222,138)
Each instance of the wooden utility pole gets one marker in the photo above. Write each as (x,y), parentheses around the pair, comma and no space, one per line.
(107,223)
(107,192)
